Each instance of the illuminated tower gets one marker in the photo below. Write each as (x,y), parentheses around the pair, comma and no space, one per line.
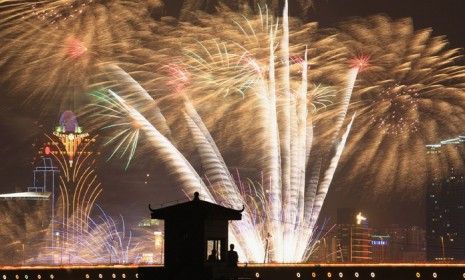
(70,134)
(72,151)
(354,236)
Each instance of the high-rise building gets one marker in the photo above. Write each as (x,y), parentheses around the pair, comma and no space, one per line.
(445,218)
(354,236)
(72,150)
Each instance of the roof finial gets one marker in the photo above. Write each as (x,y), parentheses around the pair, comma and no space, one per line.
(196,196)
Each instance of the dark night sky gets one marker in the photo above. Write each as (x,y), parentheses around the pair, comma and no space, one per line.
(20,124)
(446,17)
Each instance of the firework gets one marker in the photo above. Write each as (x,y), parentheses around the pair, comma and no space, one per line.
(62,41)
(275,96)
(409,93)
(102,240)
(287,145)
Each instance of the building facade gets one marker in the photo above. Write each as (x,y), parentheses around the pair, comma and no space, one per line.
(445,219)
(354,237)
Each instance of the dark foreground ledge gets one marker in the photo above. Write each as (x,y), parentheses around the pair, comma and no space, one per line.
(264,272)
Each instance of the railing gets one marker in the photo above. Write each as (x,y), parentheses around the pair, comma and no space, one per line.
(265,272)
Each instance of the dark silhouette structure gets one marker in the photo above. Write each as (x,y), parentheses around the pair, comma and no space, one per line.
(192,231)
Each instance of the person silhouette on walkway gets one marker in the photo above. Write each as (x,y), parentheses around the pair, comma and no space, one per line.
(213,257)
(233,258)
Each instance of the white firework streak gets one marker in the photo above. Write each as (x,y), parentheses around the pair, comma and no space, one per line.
(178,165)
(353,72)
(133,88)
(298,157)
(328,176)
(286,128)
(273,164)
(221,183)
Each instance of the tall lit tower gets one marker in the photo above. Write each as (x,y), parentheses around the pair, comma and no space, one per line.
(72,151)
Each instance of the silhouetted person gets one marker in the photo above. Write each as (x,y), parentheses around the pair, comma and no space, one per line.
(233,258)
(213,257)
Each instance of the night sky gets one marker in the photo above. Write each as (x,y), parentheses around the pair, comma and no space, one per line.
(444,17)
(129,192)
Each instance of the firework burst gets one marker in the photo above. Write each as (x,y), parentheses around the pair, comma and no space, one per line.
(62,41)
(409,93)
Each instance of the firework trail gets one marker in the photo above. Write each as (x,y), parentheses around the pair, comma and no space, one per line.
(182,170)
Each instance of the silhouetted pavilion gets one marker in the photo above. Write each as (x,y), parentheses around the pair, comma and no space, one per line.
(192,230)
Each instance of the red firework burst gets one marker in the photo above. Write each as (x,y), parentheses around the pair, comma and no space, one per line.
(361,62)
(180,77)
(75,48)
